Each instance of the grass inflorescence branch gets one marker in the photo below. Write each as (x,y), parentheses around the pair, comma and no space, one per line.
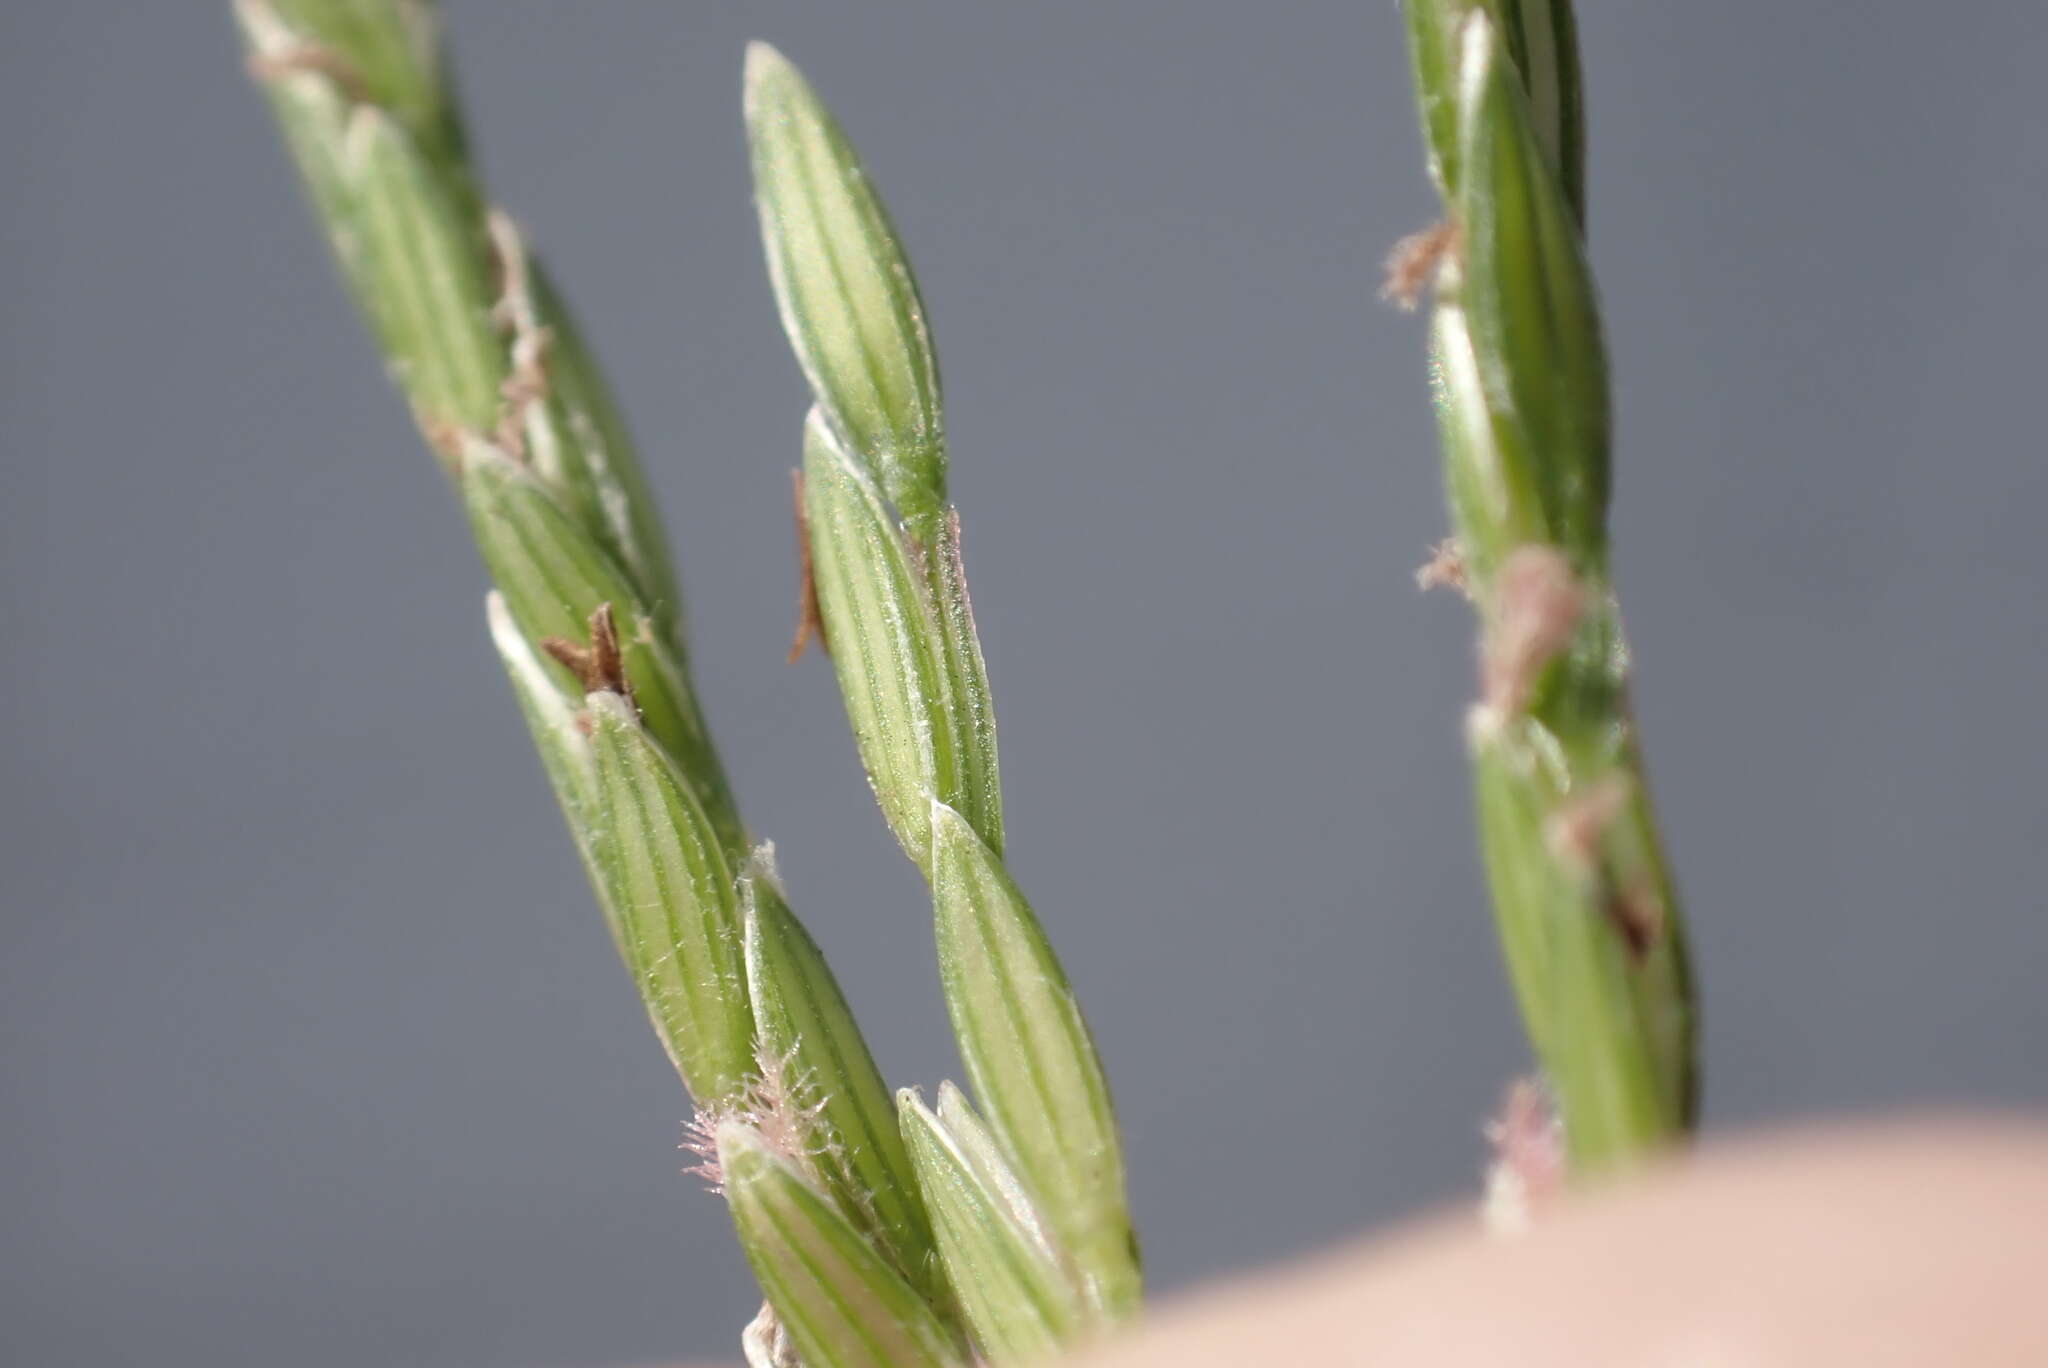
(1588,917)
(891,596)
(827,1174)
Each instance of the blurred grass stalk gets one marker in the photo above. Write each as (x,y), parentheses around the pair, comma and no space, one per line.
(1587,914)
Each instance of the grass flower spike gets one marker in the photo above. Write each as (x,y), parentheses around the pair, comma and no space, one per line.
(1019,1295)
(587,620)
(507,397)
(1588,917)
(884,545)
(840,1302)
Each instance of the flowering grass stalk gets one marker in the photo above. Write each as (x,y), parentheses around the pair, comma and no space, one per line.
(510,401)
(1588,917)
(586,618)
(795,1124)
(891,600)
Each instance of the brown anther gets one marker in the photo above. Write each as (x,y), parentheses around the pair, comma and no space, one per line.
(527,382)
(1576,833)
(1528,1169)
(1576,829)
(809,621)
(520,390)
(598,667)
(307,57)
(1538,602)
(1637,911)
(444,438)
(1444,569)
(604,648)
(1412,265)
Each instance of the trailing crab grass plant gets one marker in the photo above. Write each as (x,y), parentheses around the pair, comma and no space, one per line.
(885,1230)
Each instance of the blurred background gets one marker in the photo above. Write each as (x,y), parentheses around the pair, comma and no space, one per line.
(313,1048)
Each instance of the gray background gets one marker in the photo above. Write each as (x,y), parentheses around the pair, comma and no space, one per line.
(312,1046)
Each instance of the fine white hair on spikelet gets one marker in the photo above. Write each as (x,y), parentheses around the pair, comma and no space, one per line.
(776,1103)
